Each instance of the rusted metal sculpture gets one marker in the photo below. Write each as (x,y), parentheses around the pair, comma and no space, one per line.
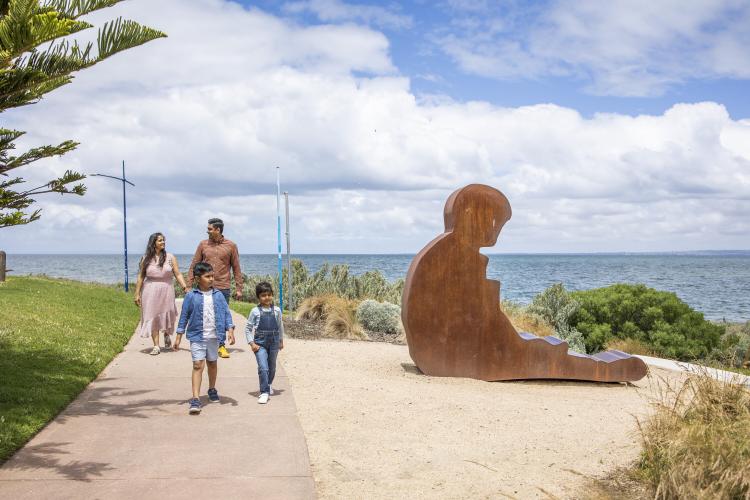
(454,325)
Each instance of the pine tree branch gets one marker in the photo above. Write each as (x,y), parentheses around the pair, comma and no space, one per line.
(116,36)
(74,9)
(35,154)
(59,185)
(18,218)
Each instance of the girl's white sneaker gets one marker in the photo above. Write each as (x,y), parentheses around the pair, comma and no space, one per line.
(263,399)
(155,351)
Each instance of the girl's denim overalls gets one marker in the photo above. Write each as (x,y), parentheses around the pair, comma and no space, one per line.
(267,336)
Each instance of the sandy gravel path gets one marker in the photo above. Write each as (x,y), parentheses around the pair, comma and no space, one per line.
(377,428)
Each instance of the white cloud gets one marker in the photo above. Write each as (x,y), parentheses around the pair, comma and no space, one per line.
(623,47)
(367,164)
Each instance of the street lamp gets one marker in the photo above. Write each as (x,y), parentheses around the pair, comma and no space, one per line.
(124,214)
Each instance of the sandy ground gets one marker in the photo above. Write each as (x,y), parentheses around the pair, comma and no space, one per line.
(377,428)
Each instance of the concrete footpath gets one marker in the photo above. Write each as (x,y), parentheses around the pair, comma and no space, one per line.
(681,366)
(129,435)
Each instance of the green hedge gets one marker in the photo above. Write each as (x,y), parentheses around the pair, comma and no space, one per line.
(659,319)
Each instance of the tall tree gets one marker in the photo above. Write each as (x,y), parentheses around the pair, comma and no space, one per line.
(27,72)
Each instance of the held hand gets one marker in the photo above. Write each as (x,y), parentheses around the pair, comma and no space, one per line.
(255,347)
(238,295)
(185,288)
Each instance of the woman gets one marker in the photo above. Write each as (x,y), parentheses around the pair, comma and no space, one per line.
(154,292)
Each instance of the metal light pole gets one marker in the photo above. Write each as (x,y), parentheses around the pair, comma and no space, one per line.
(290,302)
(278,227)
(124,214)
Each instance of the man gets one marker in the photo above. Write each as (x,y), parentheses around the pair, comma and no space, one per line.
(223,256)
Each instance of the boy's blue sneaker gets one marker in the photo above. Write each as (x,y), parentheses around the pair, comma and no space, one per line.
(213,395)
(195,406)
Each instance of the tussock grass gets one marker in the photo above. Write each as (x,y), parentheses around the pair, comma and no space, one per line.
(339,315)
(697,444)
(631,346)
(525,321)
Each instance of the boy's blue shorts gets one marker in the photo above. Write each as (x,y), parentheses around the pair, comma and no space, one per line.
(207,349)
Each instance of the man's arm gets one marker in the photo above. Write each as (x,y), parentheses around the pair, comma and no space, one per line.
(236,271)
(196,258)
(228,322)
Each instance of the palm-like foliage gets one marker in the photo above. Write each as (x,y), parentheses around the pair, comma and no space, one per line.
(27,73)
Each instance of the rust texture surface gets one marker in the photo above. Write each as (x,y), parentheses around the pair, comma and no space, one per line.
(452,317)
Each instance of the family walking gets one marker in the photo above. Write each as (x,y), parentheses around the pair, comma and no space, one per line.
(205,318)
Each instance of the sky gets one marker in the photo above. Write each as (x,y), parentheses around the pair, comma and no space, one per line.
(619,126)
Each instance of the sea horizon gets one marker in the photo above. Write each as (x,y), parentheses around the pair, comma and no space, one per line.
(714,282)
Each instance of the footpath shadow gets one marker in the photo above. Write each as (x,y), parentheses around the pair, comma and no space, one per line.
(276,392)
(49,456)
(223,400)
(103,401)
(183,347)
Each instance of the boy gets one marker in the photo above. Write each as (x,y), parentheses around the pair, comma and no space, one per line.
(265,334)
(206,317)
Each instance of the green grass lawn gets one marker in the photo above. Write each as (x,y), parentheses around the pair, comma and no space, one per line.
(242,308)
(55,337)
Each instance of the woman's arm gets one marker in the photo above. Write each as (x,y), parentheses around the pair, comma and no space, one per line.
(139,284)
(178,275)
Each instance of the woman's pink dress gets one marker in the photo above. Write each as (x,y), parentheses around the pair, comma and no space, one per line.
(158,310)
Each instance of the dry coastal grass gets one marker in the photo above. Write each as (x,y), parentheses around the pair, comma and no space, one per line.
(697,444)
(339,315)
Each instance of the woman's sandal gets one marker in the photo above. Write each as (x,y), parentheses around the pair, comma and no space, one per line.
(155,351)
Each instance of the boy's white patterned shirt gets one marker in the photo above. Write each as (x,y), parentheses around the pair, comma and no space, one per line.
(209,315)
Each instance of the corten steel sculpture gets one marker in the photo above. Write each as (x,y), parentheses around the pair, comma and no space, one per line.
(454,325)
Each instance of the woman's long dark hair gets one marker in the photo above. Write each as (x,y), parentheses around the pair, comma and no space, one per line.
(150,253)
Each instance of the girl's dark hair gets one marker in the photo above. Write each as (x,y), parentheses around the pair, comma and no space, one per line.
(150,253)
(263,287)
(202,268)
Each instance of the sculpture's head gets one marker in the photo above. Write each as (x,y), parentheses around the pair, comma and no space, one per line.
(477,213)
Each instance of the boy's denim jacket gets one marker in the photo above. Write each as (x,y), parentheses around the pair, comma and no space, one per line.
(191,316)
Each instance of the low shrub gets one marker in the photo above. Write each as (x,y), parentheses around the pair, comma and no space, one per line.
(697,444)
(734,348)
(379,316)
(658,319)
(556,307)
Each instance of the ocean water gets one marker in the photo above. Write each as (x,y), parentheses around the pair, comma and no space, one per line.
(715,283)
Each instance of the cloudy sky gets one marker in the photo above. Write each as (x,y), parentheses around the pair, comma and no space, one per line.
(610,126)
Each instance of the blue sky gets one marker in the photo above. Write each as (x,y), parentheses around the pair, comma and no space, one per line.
(417,32)
(610,126)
